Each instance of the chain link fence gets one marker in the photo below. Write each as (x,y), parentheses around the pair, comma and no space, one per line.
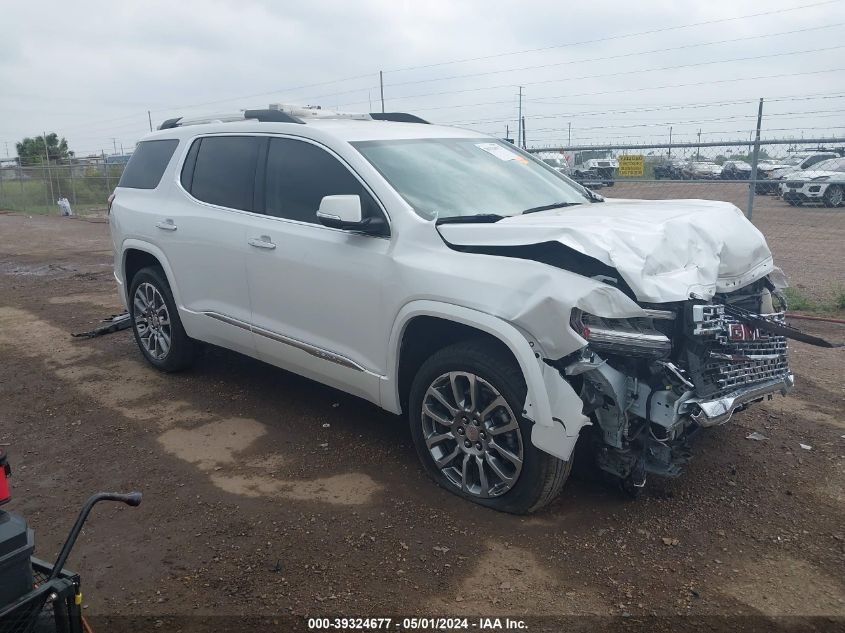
(36,189)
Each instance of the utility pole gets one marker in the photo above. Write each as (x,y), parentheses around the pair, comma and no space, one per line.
(752,185)
(519,142)
(569,133)
(150,117)
(381,88)
(670,141)
(523,132)
(49,173)
(698,149)
(114,142)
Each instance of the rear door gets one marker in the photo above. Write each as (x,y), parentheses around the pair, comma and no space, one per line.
(203,234)
(316,291)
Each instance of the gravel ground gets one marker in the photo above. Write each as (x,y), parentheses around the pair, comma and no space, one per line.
(268,494)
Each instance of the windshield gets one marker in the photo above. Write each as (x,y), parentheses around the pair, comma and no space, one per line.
(831,164)
(555,162)
(451,177)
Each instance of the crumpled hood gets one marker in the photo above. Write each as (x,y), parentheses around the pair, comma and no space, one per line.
(664,249)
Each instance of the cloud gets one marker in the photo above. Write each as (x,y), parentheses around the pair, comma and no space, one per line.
(91,70)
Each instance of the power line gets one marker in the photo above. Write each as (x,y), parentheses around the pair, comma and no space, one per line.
(575,114)
(619,73)
(616,37)
(610,57)
(643,88)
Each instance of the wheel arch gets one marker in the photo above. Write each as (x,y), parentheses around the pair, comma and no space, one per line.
(137,255)
(458,323)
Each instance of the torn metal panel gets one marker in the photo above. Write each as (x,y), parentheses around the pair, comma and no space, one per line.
(664,250)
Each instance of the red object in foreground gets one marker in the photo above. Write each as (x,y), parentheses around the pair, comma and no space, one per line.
(5,473)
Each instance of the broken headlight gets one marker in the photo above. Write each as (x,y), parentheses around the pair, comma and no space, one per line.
(624,337)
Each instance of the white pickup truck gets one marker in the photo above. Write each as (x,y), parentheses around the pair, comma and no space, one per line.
(504,310)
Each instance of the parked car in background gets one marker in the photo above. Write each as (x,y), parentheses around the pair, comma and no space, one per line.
(824,183)
(736,170)
(795,163)
(590,164)
(669,169)
(590,178)
(702,170)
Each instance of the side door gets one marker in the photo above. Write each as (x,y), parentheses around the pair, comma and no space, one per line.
(203,235)
(317,291)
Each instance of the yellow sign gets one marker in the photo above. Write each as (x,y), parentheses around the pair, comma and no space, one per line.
(631,165)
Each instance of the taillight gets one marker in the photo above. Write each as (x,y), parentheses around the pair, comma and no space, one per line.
(5,473)
(110,201)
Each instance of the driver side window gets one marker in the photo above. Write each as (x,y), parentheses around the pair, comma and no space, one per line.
(300,174)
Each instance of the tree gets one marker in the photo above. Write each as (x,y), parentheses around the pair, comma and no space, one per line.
(31,151)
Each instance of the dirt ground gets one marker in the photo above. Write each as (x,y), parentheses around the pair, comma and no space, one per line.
(265,493)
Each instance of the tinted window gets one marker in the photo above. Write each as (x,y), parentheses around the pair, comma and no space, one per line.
(224,173)
(146,167)
(299,174)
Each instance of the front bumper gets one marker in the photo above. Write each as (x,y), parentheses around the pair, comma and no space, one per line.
(718,411)
(803,191)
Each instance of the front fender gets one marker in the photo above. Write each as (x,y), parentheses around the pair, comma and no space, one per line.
(550,401)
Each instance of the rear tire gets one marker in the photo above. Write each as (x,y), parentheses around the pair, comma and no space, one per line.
(156,324)
(465,429)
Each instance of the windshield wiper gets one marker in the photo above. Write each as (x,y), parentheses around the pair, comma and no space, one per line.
(547,207)
(481,218)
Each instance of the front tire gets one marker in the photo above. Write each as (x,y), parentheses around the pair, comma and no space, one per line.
(465,416)
(156,324)
(833,196)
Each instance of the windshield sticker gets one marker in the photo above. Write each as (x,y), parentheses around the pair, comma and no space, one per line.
(502,153)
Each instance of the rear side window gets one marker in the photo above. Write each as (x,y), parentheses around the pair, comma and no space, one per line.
(146,167)
(300,174)
(224,171)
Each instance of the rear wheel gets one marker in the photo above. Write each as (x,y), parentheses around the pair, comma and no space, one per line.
(834,196)
(464,412)
(156,324)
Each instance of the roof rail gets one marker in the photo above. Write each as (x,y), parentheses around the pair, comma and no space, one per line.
(399,117)
(170,123)
(281,113)
(271,116)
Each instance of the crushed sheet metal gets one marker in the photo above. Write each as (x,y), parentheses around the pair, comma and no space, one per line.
(665,250)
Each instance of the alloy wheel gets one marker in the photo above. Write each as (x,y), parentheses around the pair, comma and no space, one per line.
(152,320)
(472,434)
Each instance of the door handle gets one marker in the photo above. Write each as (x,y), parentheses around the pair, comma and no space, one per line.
(167,225)
(262,242)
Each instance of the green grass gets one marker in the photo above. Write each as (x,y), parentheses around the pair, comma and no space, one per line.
(34,195)
(800,302)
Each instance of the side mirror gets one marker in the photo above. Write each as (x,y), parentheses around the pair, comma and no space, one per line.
(340,211)
(344,212)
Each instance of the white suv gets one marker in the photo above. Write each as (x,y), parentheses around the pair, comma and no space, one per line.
(505,309)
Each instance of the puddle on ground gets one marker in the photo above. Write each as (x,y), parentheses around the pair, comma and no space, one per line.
(511,581)
(132,389)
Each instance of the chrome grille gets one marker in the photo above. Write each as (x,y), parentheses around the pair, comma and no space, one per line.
(731,364)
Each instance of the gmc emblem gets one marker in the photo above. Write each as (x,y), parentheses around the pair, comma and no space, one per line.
(741,332)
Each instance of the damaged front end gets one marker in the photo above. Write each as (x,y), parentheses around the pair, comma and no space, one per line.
(650,383)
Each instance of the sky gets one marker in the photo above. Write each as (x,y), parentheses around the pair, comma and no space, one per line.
(593,72)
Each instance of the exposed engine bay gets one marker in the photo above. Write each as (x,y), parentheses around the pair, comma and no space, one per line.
(650,383)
